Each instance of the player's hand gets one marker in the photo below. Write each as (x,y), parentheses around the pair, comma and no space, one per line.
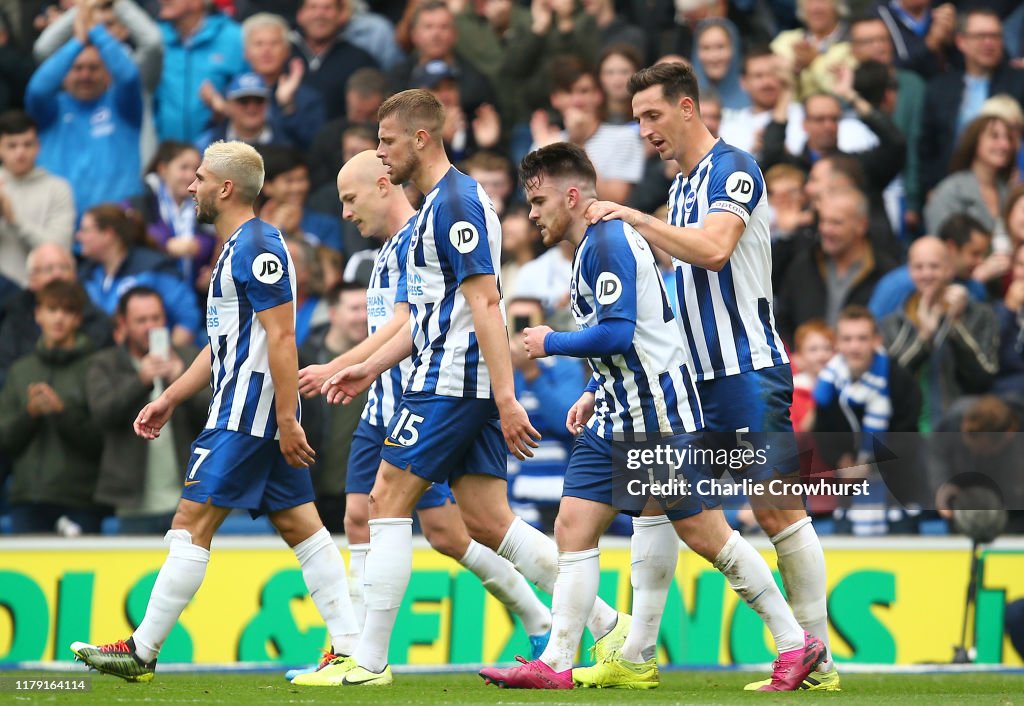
(153,417)
(343,387)
(533,339)
(296,450)
(520,436)
(609,210)
(580,413)
(312,379)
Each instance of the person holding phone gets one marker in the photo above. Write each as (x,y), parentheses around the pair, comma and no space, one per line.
(141,481)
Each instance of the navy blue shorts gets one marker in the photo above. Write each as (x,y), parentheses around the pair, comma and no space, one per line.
(236,470)
(751,411)
(593,474)
(441,438)
(364,461)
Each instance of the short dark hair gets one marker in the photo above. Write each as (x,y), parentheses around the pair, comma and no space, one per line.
(136,292)
(560,159)
(278,159)
(567,69)
(168,151)
(856,312)
(335,292)
(368,81)
(758,52)
(676,81)
(64,295)
(360,131)
(416,109)
(959,228)
(872,79)
(427,6)
(16,122)
(964,17)
(850,167)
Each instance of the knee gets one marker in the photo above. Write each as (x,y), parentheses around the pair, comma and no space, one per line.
(488,531)
(571,535)
(773,520)
(447,541)
(356,527)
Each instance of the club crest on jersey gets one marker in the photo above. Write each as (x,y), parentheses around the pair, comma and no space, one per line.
(740,187)
(267,268)
(609,288)
(464,236)
(691,196)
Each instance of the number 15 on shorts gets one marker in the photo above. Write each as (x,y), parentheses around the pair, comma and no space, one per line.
(405,432)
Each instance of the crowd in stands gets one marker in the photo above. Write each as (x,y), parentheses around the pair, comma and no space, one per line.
(889,133)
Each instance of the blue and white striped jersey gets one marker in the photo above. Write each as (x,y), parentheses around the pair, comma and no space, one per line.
(253,273)
(650,388)
(726,317)
(387,288)
(457,235)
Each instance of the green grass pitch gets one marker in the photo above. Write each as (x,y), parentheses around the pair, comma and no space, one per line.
(469,689)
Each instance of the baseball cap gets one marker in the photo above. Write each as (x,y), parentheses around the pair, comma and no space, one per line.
(432,73)
(245,85)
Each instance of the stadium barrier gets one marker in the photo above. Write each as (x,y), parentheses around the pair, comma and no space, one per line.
(891,601)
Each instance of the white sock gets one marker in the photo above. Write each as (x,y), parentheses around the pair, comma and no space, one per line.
(506,584)
(654,551)
(179,579)
(535,556)
(575,591)
(388,568)
(802,565)
(323,570)
(356,569)
(751,578)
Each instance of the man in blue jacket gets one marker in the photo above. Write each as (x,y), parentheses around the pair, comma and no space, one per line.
(202,51)
(87,102)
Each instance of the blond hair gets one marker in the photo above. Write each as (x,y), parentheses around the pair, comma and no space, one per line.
(262,20)
(238,163)
(416,109)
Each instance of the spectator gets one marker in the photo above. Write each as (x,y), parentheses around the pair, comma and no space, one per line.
(311,309)
(365,91)
(20,332)
(202,52)
(45,425)
(15,68)
(762,82)
(839,271)
(981,167)
(141,479)
(869,41)
(862,398)
(296,110)
(711,110)
(968,243)
(286,187)
(246,109)
(168,210)
(35,206)
(89,131)
(546,279)
(921,35)
(329,428)
(546,388)
(330,59)
(612,27)
(1007,108)
(614,67)
(980,445)
(129,24)
(463,135)
(717,61)
(813,347)
(520,240)
(616,150)
(946,340)
(494,173)
(1013,217)
(114,261)
(954,98)
(372,32)
(433,35)
(792,223)
(1010,315)
(822,114)
(814,53)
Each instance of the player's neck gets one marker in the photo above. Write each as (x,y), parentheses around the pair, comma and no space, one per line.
(432,170)
(697,144)
(578,227)
(231,219)
(399,215)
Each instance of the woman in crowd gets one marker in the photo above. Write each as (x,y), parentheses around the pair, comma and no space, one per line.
(168,211)
(979,178)
(718,61)
(614,67)
(1010,312)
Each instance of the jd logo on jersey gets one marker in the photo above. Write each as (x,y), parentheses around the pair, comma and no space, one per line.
(463,236)
(740,187)
(609,288)
(267,268)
